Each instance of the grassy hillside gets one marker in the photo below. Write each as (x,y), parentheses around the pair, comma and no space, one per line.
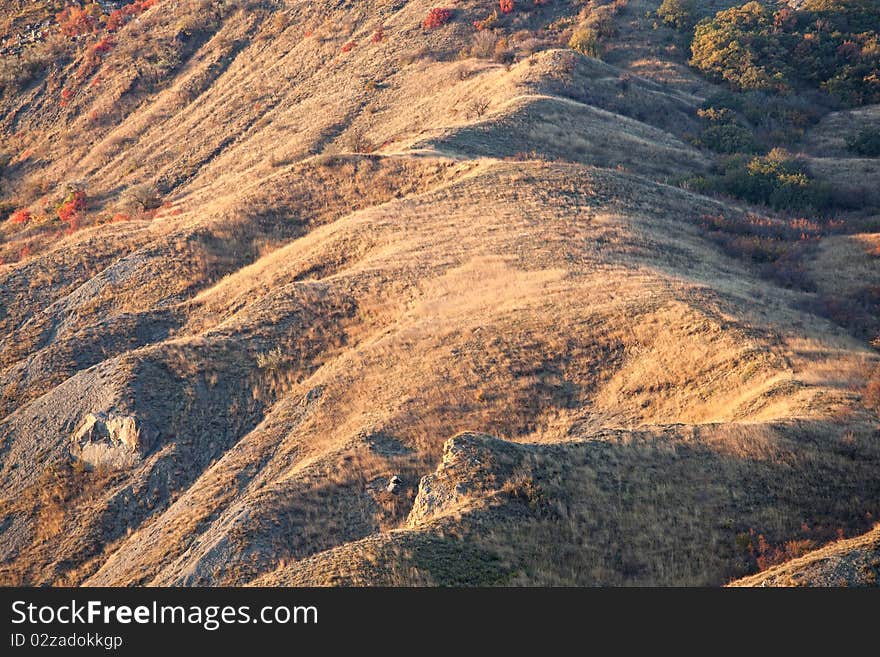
(260,257)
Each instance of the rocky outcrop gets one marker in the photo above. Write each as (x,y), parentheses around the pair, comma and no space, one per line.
(473,465)
(110,440)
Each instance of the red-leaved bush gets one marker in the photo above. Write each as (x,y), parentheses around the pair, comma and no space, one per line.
(74,21)
(71,206)
(21,216)
(487,23)
(378,35)
(506,6)
(437,17)
(93,55)
(66,95)
(348,47)
(103,46)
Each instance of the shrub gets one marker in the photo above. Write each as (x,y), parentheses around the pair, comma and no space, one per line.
(478,107)
(776,245)
(506,6)
(70,208)
(761,553)
(348,47)
(601,18)
(585,41)
(482,45)
(487,23)
(19,217)
(502,52)
(141,198)
(723,133)
(680,14)
(76,21)
(359,142)
(834,47)
(270,360)
(728,138)
(755,225)
(437,17)
(857,310)
(732,47)
(774,120)
(103,46)
(866,142)
(93,57)
(777,180)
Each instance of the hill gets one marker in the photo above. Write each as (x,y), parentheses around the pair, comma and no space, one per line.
(277,253)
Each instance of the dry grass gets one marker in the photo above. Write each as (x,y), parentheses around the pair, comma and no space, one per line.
(398,326)
(557,514)
(367,252)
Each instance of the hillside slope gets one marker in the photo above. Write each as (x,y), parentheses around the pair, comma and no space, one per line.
(388,258)
(851,562)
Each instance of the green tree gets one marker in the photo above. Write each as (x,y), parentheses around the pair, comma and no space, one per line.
(739,47)
(827,45)
(680,14)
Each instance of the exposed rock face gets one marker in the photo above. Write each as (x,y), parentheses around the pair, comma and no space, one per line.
(473,465)
(109,440)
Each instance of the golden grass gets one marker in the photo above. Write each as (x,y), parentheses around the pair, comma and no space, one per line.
(306,321)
